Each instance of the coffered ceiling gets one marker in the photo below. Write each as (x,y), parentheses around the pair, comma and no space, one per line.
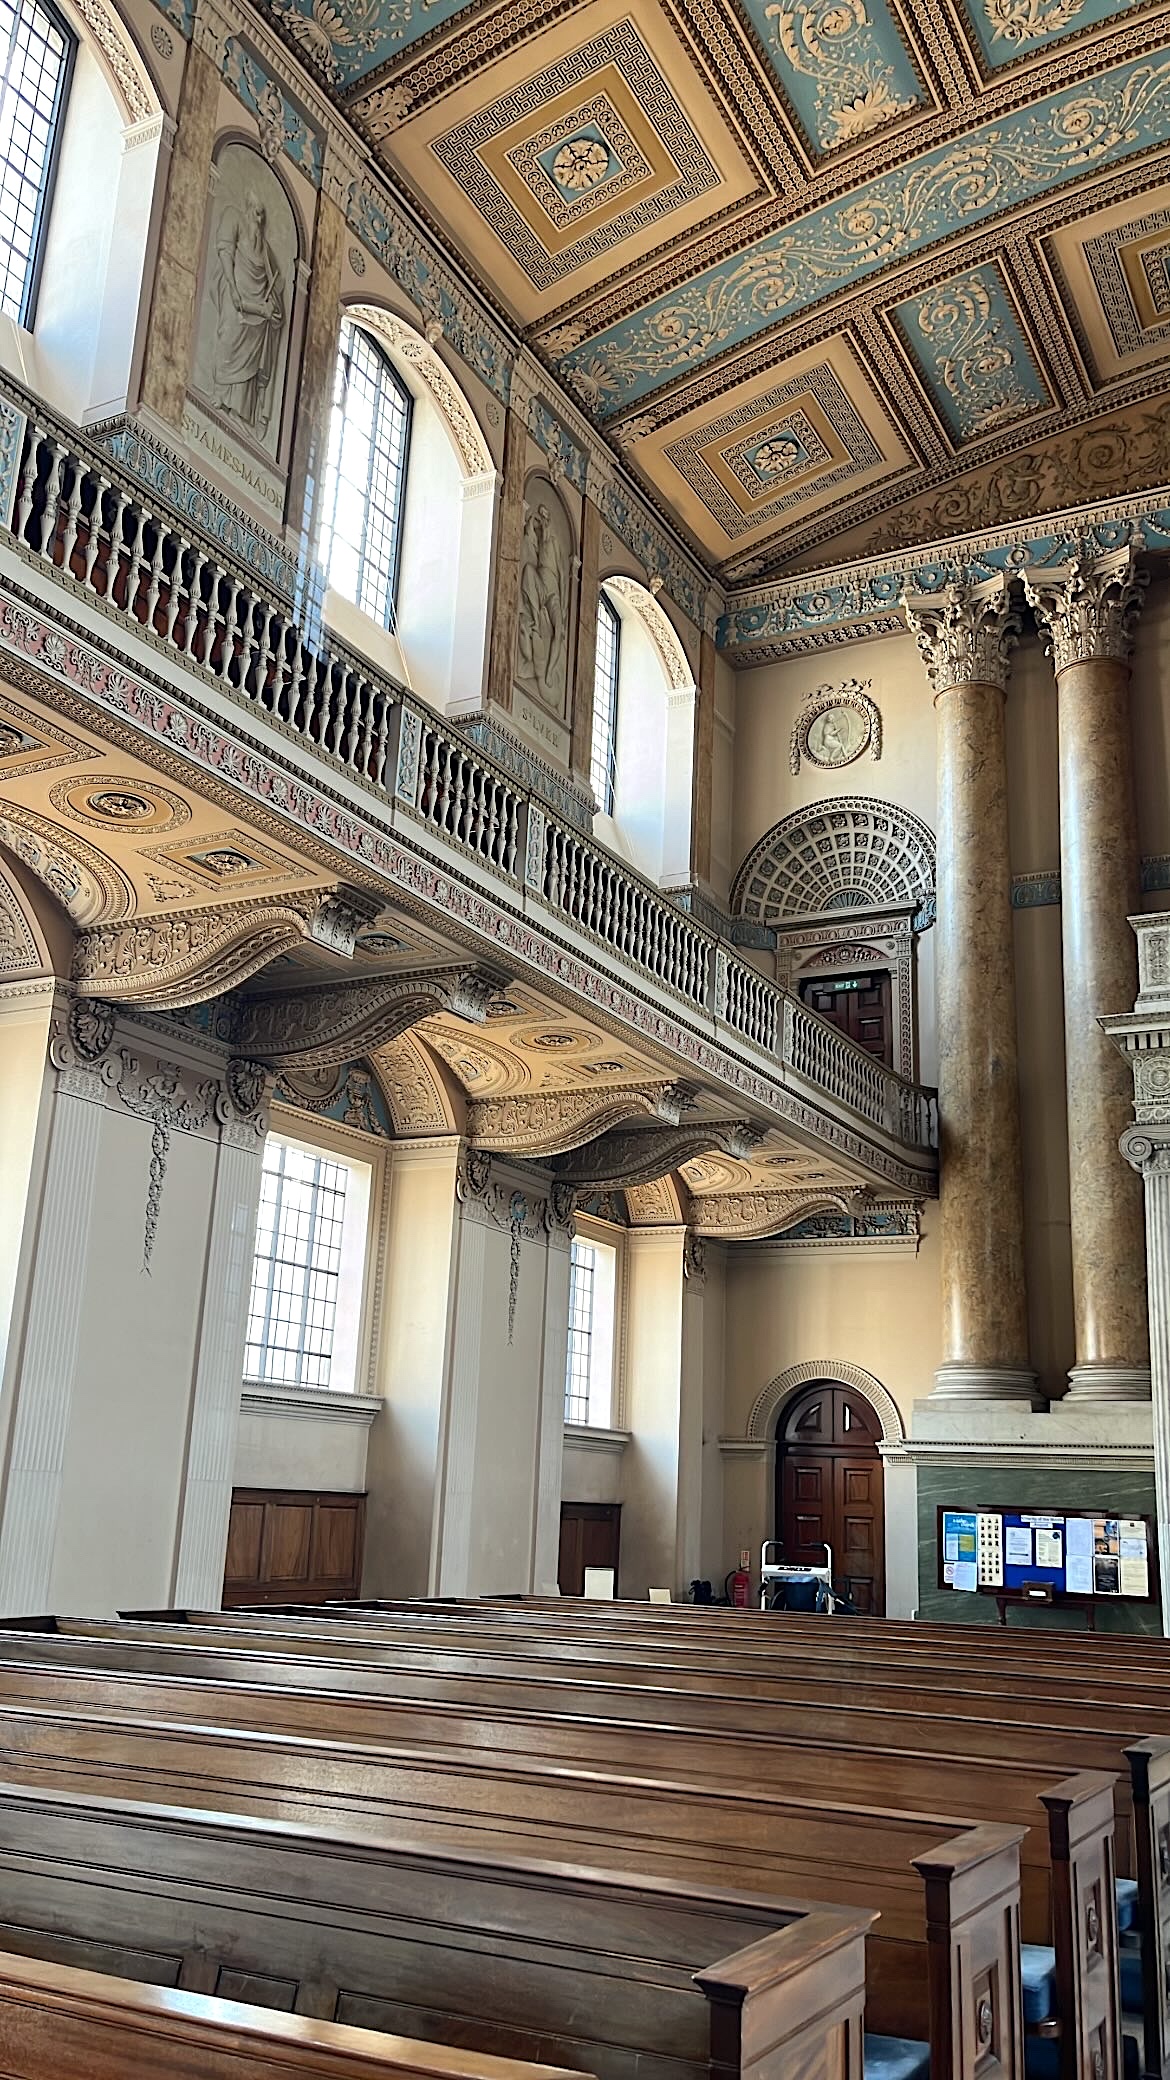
(822,269)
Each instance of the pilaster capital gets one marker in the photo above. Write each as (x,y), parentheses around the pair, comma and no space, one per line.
(966,634)
(1087,608)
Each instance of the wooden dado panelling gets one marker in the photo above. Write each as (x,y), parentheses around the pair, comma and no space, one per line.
(293,1545)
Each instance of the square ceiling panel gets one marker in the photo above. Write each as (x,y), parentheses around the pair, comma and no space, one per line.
(1114,273)
(967,341)
(845,67)
(583,166)
(774,450)
(1002,32)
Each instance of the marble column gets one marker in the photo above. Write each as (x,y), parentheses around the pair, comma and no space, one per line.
(1086,612)
(1143,1035)
(966,637)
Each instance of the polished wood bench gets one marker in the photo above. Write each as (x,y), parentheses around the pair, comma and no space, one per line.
(59,2023)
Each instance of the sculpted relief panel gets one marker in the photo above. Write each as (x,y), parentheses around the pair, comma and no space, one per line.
(249,283)
(546,570)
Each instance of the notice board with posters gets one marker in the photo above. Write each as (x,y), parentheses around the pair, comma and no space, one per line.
(1077,1553)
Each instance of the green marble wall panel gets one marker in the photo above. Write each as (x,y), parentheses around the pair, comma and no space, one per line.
(1121,1491)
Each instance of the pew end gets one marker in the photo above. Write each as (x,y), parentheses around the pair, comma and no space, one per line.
(791,2003)
(973,1955)
(1084,1925)
(1149,1769)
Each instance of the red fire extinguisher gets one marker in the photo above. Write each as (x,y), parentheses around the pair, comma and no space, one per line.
(739,1584)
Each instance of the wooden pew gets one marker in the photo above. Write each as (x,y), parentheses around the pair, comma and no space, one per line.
(841,1851)
(516,1957)
(58,2023)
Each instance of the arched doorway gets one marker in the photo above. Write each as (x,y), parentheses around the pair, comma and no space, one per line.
(829,1487)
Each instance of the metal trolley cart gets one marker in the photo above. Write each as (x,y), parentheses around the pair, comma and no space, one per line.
(773,1572)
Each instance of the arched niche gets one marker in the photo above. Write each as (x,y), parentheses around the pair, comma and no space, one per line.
(439,646)
(251,303)
(766,1409)
(77,346)
(654,749)
(847,885)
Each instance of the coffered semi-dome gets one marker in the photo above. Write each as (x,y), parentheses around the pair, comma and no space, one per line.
(853,853)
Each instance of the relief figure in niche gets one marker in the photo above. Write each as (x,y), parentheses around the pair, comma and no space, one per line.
(249,280)
(542,635)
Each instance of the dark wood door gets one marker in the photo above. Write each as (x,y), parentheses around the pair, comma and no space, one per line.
(829,1489)
(860,1006)
(590,1537)
(289,1546)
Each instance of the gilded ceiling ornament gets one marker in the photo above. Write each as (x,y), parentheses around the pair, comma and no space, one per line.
(1088,608)
(839,724)
(1021,21)
(965,634)
(974,357)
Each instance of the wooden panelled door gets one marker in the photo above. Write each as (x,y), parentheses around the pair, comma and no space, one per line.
(590,1537)
(829,1488)
(859,1005)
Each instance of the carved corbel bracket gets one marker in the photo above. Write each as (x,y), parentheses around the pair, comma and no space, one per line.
(750,1216)
(550,1123)
(331,1023)
(640,1155)
(191,955)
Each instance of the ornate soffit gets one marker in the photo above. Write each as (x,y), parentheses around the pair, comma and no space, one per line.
(834,276)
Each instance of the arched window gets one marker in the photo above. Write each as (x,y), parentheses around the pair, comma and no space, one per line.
(605,698)
(365,477)
(36,51)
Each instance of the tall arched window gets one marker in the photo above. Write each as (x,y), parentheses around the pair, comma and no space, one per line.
(365,477)
(36,51)
(605,699)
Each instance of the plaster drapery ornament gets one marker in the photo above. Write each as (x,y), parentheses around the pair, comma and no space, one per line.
(640,1155)
(1088,608)
(160,1098)
(333,1023)
(542,628)
(549,1123)
(413,1088)
(966,634)
(247,1085)
(524,1216)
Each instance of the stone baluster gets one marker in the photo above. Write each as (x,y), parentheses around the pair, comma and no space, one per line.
(1086,612)
(966,637)
(1143,1035)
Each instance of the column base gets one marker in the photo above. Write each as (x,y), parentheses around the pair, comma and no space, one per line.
(960,1382)
(1109,1383)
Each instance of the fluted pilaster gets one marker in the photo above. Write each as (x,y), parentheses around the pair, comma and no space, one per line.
(1086,612)
(966,638)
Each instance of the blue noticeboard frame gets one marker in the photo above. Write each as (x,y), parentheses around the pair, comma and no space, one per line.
(1082,1556)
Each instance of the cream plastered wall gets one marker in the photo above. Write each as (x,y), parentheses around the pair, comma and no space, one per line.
(875,1308)
(299,1452)
(768,703)
(1150,710)
(590,1475)
(723,863)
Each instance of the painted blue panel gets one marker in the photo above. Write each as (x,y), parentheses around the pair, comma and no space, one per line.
(345,39)
(262,94)
(972,354)
(842,64)
(998,167)
(1005,30)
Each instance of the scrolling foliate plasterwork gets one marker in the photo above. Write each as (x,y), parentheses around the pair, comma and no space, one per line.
(1004,164)
(641,1155)
(1088,609)
(832,44)
(966,636)
(549,1123)
(967,340)
(169,962)
(413,1088)
(749,1216)
(352,1098)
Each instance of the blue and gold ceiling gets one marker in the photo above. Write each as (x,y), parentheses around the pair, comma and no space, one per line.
(820,269)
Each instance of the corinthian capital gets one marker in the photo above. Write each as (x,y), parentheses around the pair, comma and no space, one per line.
(966,634)
(1087,608)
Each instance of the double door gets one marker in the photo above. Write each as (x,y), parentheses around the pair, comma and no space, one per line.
(860,1006)
(829,1489)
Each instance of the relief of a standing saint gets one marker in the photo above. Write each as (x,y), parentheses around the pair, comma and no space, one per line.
(542,634)
(250,300)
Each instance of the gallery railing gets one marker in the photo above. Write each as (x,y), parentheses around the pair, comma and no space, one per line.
(78,512)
